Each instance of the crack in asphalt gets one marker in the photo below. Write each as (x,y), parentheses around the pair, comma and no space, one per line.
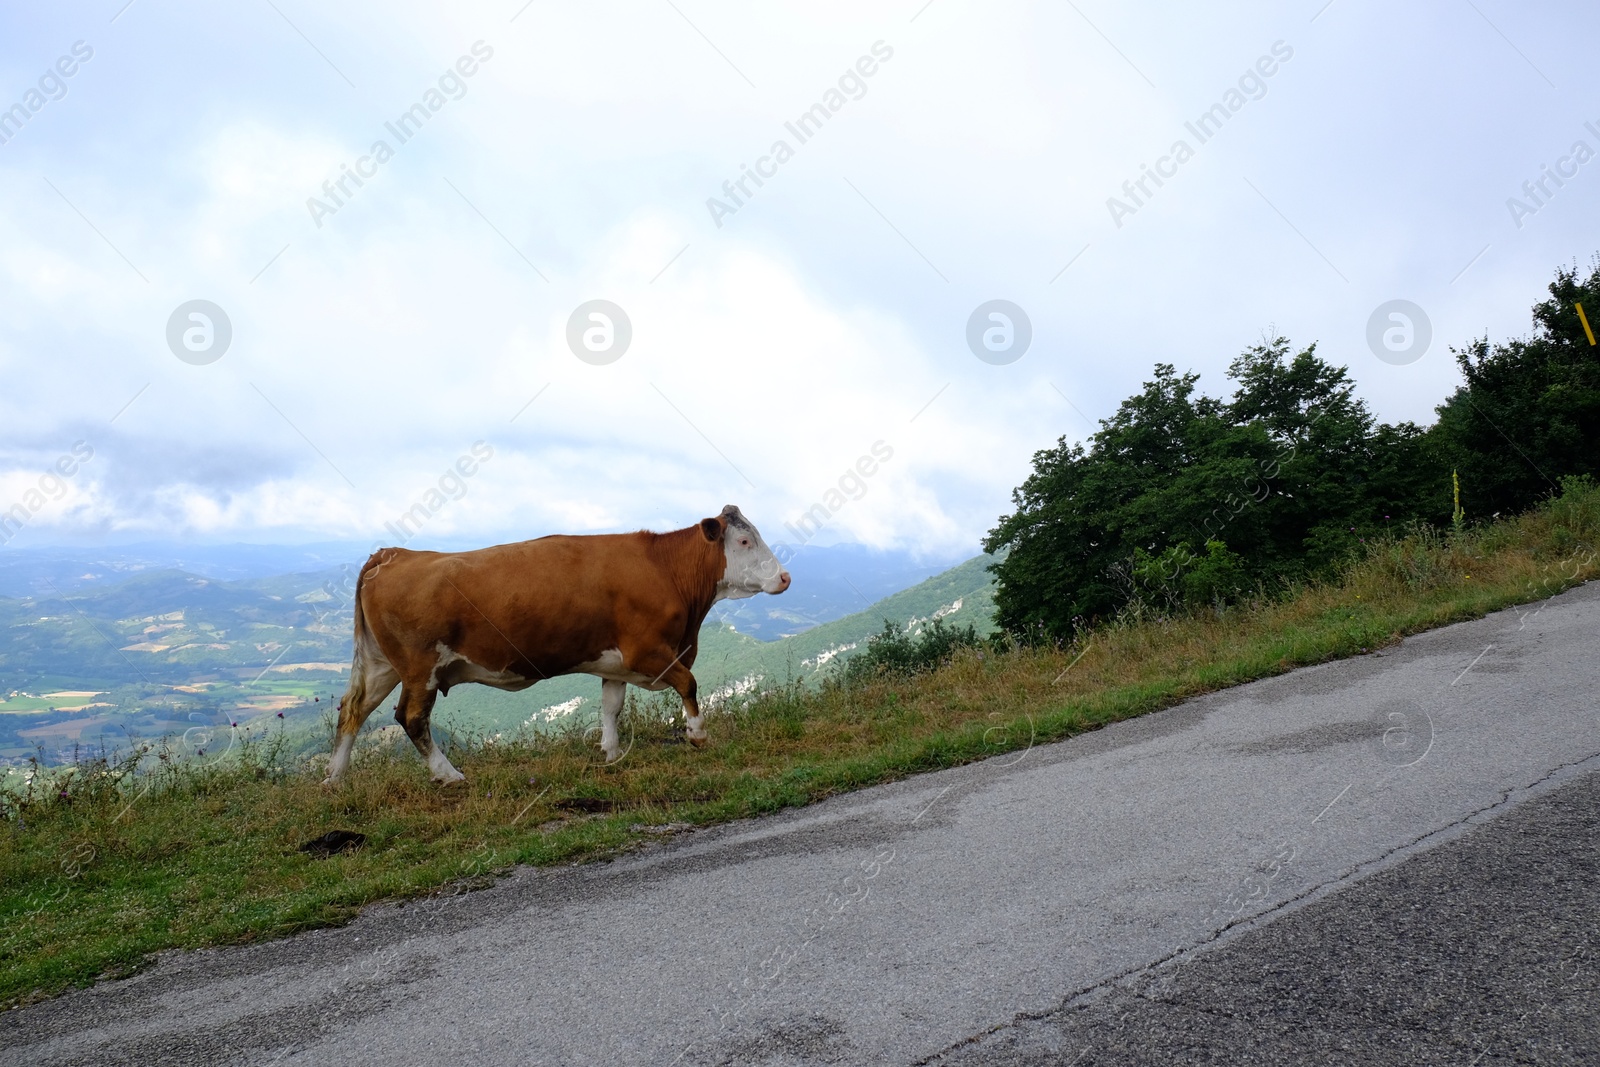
(1237,927)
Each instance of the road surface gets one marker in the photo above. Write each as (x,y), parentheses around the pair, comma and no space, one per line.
(1389,859)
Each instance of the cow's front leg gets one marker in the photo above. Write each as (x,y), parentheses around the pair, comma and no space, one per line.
(682,680)
(611,694)
(664,669)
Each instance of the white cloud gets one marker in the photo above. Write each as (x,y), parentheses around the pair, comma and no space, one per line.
(818,320)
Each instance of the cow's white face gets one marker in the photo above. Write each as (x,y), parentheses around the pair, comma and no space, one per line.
(752,568)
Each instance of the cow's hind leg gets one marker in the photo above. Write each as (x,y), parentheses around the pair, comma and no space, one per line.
(611,694)
(371,680)
(416,706)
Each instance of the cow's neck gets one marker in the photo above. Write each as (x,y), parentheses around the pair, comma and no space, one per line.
(696,567)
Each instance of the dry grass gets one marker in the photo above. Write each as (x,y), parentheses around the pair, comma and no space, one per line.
(153,853)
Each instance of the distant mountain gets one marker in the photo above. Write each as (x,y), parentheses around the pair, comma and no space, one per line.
(731,661)
(829,582)
(964,594)
(162,652)
(56,570)
(163,627)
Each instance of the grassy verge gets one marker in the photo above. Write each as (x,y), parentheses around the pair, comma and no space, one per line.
(108,863)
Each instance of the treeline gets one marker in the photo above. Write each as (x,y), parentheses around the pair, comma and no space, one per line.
(1183,499)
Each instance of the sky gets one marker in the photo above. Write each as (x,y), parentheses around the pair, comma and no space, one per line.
(421,343)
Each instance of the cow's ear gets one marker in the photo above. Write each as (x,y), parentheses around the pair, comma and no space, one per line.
(712,528)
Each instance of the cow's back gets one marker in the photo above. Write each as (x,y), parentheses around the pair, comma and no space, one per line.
(549,604)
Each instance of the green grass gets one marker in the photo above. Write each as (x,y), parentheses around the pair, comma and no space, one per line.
(105,863)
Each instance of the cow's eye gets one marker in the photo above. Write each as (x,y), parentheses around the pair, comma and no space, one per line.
(744,542)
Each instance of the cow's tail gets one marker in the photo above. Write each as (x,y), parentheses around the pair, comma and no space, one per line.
(354,703)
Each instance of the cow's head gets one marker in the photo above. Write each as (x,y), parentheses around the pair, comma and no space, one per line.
(752,568)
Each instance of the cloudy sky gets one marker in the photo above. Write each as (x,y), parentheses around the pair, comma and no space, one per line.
(1359,152)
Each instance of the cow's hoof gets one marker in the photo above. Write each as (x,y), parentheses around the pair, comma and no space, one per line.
(613,756)
(698,741)
(456,779)
(330,783)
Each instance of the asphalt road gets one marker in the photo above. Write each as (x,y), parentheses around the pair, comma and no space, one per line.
(1391,859)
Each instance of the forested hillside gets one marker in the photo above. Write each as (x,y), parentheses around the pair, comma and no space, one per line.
(1182,498)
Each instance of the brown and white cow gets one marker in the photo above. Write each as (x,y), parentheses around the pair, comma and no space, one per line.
(624,607)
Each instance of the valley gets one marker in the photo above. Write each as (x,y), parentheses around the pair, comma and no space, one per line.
(102,657)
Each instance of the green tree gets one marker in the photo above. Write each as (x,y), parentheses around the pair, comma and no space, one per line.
(1528,411)
(1277,483)
(1180,498)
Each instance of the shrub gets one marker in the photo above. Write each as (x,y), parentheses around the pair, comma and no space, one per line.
(894,651)
(1178,578)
